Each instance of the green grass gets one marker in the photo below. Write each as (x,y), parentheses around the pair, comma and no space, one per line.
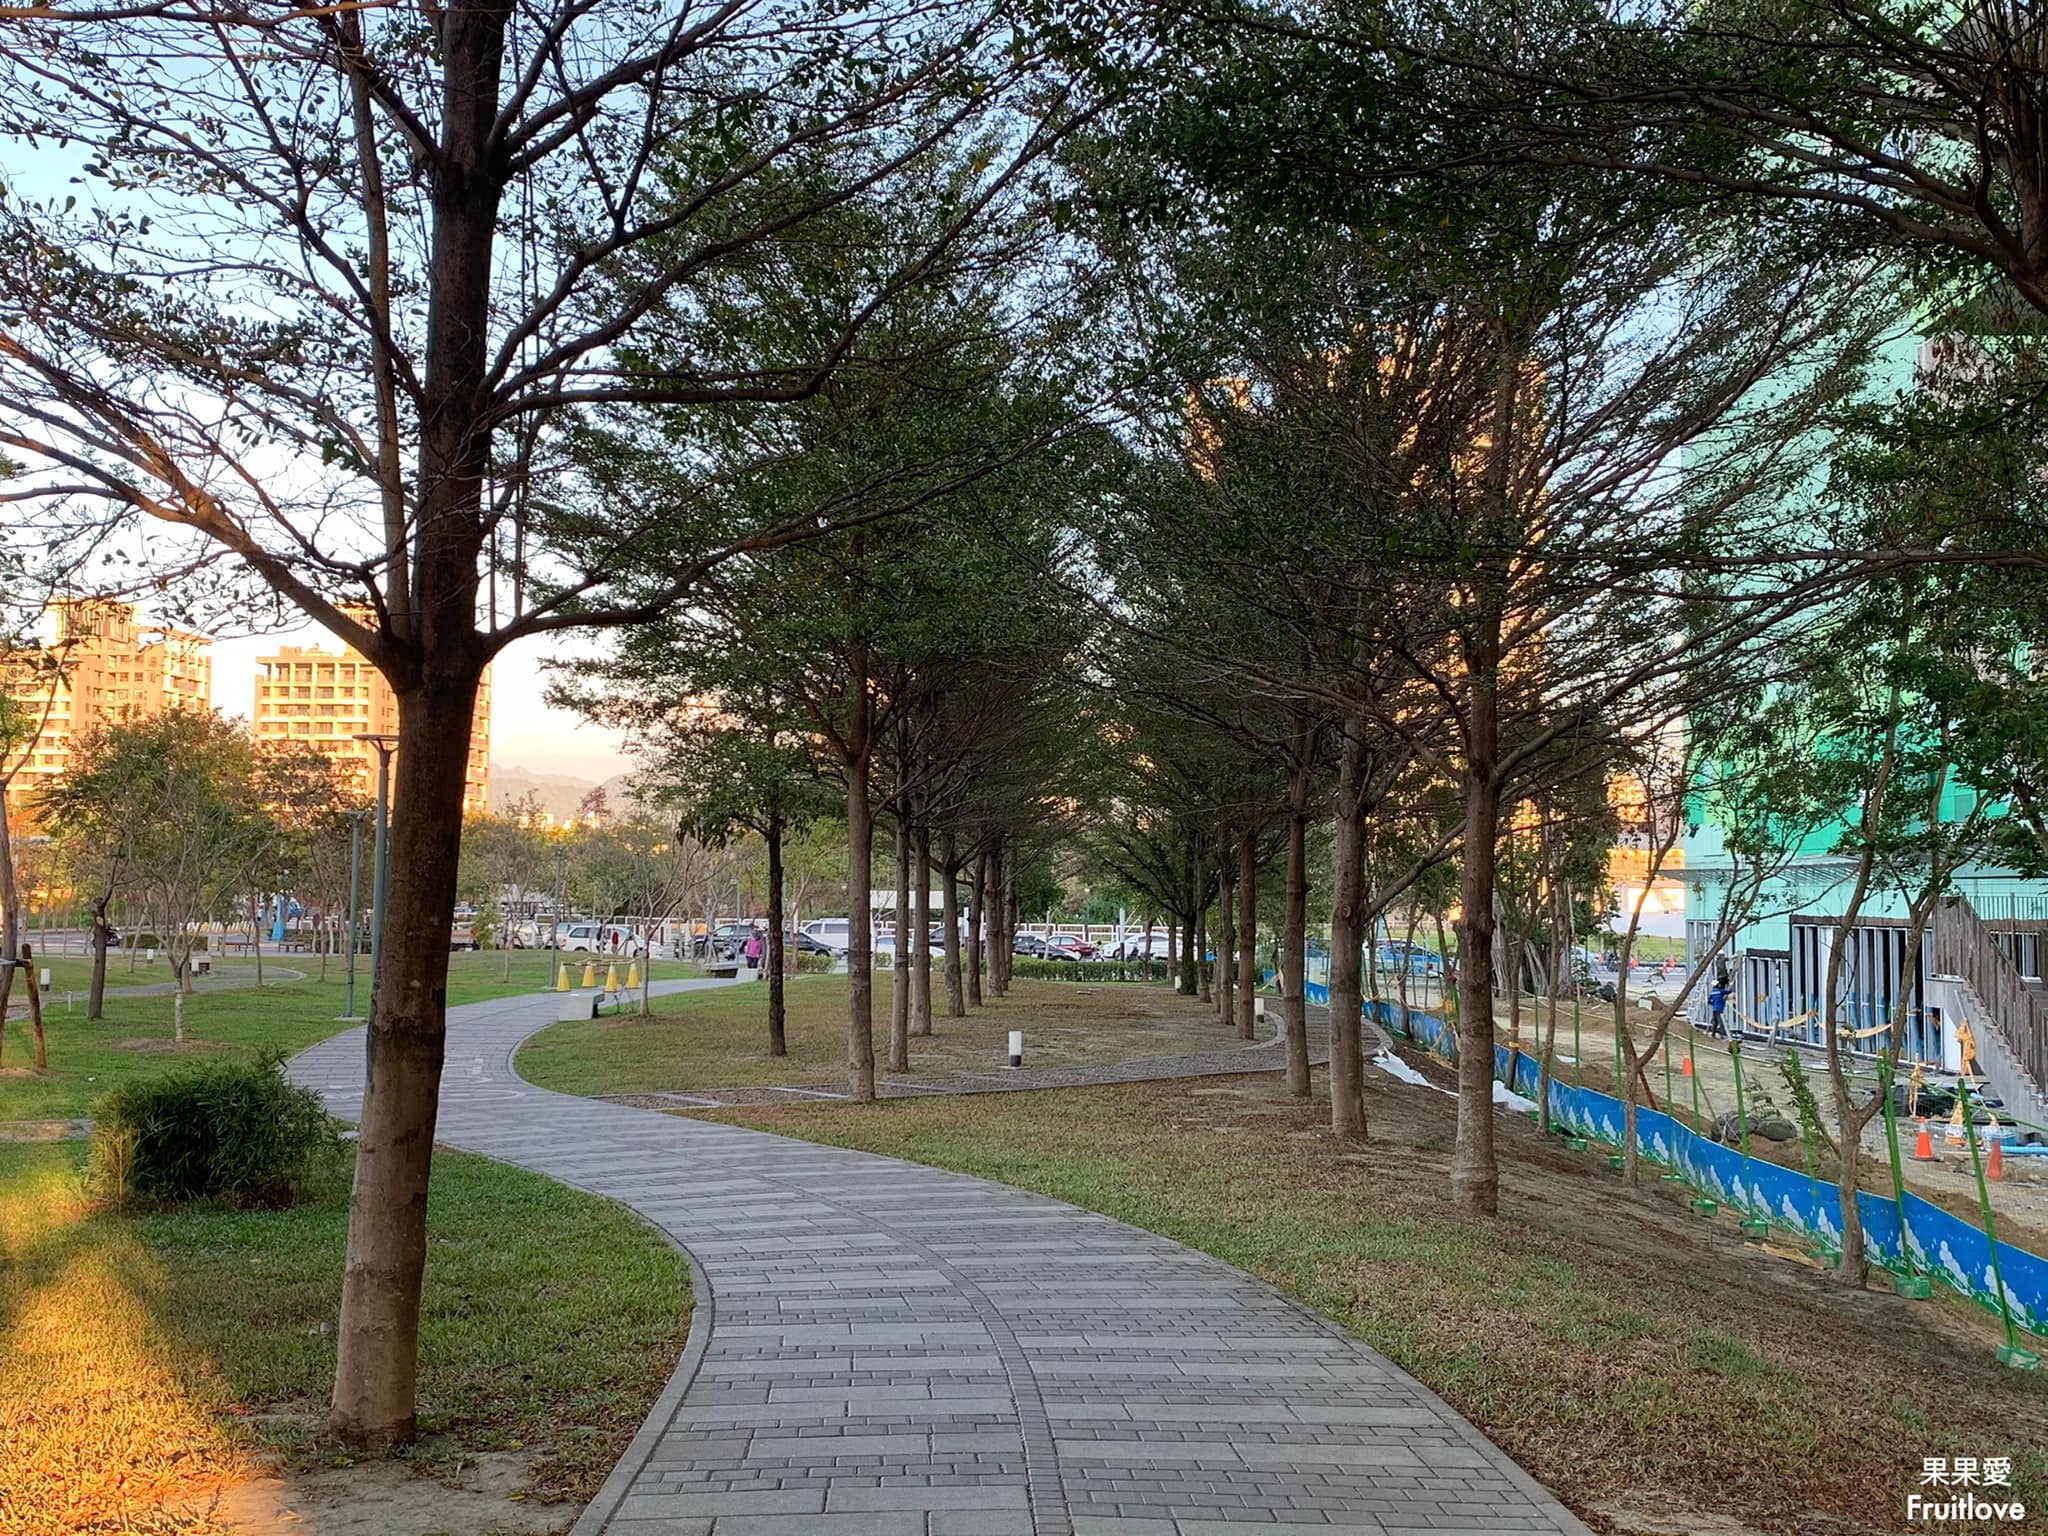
(135,1037)
(719,1038)
(134,1349)
(1616,1349)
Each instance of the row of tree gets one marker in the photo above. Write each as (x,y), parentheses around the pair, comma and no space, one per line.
(1220,431)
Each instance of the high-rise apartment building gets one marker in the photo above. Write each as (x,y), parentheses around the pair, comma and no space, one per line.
(327,699)
(103,664)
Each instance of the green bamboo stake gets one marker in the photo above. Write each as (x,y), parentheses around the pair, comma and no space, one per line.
(1751,1225)
(1573,1139)
(2009,1353)
(1816,1249)
(1692,1052)
(1912,1283)
(1670,1175)
(1704,1204)
(1578,1051)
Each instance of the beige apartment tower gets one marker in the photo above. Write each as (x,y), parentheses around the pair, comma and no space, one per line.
(105,664)
(327,699)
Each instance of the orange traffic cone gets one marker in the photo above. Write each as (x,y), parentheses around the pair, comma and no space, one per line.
(1685,1070)
(1923,1144)
(1994,1166)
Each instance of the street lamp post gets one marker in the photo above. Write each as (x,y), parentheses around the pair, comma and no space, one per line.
(555,926)
(355,903)
(384,747)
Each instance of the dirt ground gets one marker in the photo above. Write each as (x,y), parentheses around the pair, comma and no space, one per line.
(473,1494)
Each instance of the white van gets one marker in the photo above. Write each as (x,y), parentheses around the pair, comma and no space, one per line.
(835,933)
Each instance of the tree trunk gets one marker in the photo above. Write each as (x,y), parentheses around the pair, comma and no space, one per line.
(977,895)
(1190,959)
(921,940)
(1247,931)
(376,1367)
(1475,1180)
(949,889)
(1002,942)
(1226,935)
(778,1030)
(860,975)
(96,994)
(1205,973)
(35,1007)
(256,936)
(1347,951)
(10,916)
(899,953)
(1294,940)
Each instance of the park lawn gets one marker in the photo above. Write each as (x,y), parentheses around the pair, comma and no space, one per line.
(719,1038)
(135,1038)
(1637,1360)
(147,1360)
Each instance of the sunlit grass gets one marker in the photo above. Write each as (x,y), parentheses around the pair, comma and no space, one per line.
(135,1037)
(136,1353)
(719,1039)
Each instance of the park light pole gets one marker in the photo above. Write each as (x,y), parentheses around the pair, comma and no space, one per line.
(384,746)
(355,904)
(555,926)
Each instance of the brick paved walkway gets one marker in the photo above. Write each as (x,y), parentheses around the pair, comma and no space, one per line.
(881,1349)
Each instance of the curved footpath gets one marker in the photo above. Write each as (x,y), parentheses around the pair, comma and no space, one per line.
(883,1349)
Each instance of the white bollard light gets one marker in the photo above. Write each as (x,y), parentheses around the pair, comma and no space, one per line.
(1016,1047)
(43,976)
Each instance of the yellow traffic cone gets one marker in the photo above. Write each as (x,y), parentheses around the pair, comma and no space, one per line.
(633,977)
(611,977)
(562,978)
(590,973)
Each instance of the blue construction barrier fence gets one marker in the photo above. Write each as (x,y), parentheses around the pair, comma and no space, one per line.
(1942,1245)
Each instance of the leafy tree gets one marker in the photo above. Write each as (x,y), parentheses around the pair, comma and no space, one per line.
(723,778)
(175,798)
(348,341)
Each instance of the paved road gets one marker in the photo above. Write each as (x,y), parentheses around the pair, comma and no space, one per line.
(882,1349)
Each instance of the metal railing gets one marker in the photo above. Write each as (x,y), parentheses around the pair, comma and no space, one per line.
(1966,945)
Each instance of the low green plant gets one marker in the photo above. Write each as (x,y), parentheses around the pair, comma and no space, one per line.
(235,1131)
(807,963)
(1031,968)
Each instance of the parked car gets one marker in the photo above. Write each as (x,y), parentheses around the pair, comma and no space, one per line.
(803,944)
(602,939)
(1396,954)
(462,935)
(832,932)
(1137,946)
(1066,946)
(1031,945)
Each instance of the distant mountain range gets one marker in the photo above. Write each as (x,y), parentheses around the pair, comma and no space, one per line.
(560,793)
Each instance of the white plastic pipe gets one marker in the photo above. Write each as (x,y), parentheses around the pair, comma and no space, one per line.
(1016,1047)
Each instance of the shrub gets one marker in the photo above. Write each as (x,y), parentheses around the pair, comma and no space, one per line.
(807,962)
(236,1131)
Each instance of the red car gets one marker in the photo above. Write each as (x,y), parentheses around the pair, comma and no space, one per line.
(1066,946)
